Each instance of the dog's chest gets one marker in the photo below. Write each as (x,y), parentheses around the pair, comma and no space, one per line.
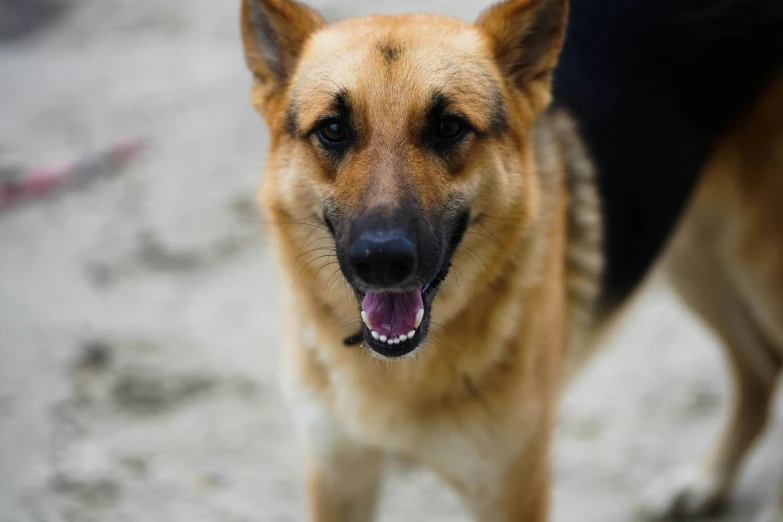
(371,416)
(454,446)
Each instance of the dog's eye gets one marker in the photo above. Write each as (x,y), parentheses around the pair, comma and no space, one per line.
(333,132)
(448,130)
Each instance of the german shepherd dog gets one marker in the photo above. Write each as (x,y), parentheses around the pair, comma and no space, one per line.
(425,192)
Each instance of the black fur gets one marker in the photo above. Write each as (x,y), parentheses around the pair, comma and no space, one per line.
(290,124)
(354,338)
(391,53)
(498,123)
(654,84)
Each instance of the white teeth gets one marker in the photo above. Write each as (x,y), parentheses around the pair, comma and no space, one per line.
(375,335)
(383,338)
(411,334)
(366,319)
(390,341)
(403,337)
(419,317)
(397,341)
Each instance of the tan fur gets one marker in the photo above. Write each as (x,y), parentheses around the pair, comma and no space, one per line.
(727,264)
(476,403)
(559,143)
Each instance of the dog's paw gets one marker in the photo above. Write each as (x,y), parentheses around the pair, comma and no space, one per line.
(685,493)
(771,514)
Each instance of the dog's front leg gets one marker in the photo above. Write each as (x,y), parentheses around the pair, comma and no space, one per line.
(500,487)
(521,500)
(342,475)
(343,486)
(343,482)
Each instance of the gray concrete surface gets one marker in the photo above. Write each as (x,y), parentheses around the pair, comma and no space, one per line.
(139,319)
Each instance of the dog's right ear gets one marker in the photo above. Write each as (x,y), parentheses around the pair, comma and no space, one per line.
(273,35)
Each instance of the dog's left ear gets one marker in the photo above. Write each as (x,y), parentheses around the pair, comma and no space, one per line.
(526,36)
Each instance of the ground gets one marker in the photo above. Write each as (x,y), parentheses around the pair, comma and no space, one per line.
(139,316)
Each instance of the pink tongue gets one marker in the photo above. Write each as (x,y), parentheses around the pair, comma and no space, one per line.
(393,314)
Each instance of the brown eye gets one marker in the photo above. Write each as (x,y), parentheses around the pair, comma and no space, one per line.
(448,130)
(333,132)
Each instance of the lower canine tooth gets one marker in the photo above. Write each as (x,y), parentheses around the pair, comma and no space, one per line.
(375,335)
(383,338)
(419,317)
(366,319)
(411,334)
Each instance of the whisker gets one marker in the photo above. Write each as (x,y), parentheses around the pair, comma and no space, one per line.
(316,239)
(482,235)
(489,234)
(436,342)
(488,231)
(332,250)
(497,225)
(458,253)
(334,82)
(474,253)
(455,267)
(452,274)
(337,271)
(308,263)
(319,271)
(346,287)
(440,326)
(448,80)
(507,216)
(291,223)
(312,230)
(350,321)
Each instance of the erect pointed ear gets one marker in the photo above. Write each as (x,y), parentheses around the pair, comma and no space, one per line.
(273,34)
(526,36)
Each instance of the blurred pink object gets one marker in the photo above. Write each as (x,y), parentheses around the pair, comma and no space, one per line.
(19,184)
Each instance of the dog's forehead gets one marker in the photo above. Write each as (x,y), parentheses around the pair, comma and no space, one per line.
(417,36)
(396,62)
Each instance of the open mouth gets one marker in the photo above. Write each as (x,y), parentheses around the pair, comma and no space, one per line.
(393,317)
(396,322)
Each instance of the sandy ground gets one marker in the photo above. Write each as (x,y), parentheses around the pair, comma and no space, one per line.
(139,319)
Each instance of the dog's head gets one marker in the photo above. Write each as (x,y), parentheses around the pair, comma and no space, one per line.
(397,135)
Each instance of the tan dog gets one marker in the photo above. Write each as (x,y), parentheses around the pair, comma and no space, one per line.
(418,192)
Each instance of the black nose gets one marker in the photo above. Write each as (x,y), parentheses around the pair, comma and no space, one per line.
(383,258)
